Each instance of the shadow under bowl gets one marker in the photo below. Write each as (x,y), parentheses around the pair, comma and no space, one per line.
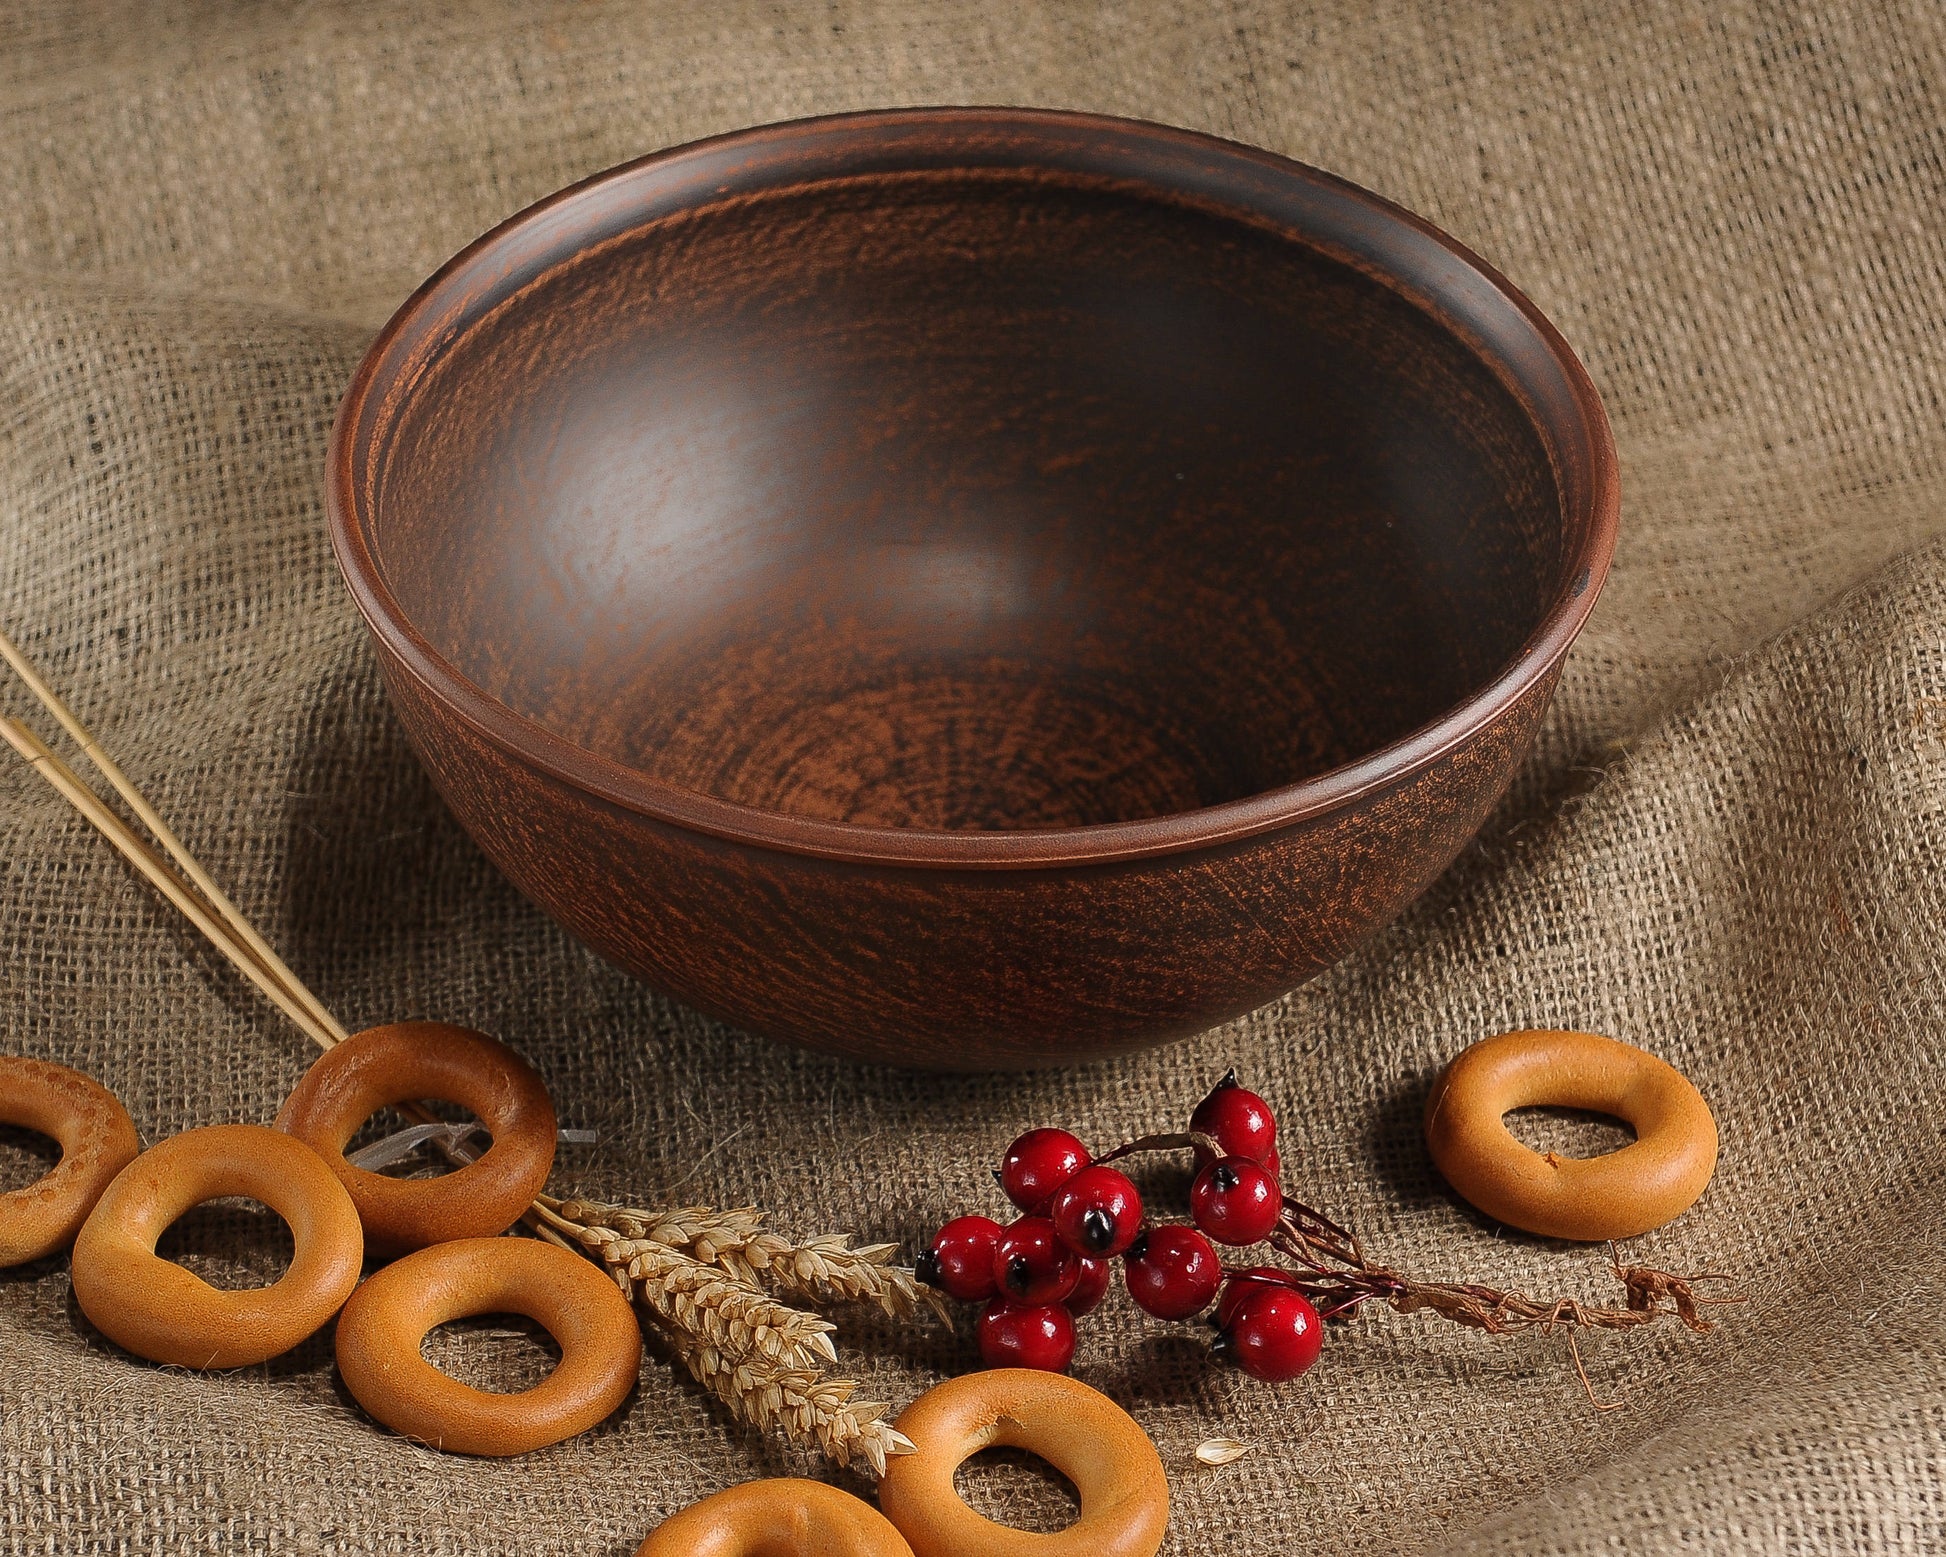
(971,587)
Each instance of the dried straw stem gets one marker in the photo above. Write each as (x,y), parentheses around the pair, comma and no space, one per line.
(804,1405)
(173,887)
(705,1303)
(258,948)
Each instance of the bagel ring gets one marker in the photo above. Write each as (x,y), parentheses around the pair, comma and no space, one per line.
(381,1328)
(97,1140)
(1080,1432)
(1652,1180)
(781,1516)
(156,1309)
(405,1061)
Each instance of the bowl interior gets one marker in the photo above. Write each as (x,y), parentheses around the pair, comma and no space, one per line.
(988,499)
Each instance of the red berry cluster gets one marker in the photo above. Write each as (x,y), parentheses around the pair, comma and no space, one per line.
(1037,1274)
(1051,1265)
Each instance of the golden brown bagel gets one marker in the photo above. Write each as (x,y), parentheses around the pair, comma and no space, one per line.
(156,1309)
(382,1326)
(783,1516)
(1081,1433)
(97,1140)
(407,1061)
(1617,1195)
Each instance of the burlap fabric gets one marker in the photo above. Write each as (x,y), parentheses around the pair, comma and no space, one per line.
(1727,848)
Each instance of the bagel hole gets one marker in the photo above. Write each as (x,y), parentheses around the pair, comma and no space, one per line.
(424,1160)
(500,1354)
(25,1155)
(1569,1132)
(233,1244)
(1018,1488)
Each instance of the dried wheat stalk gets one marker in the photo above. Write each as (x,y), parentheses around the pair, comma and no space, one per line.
(824,1269)
(800,1402)
(711,1305)
(763,1358)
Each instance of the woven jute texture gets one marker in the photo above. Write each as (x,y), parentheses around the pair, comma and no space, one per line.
(1728,847)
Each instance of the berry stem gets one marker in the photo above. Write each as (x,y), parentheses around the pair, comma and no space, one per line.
(1338,1278)
(1175,1141)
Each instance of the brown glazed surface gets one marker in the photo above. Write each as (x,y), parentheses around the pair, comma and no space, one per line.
(1083,1434)
(780,1516)
(971,587)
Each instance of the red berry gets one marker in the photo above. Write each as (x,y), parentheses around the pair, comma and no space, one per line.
(960,1259)
(1273,1164)
(1238,1120)
(1039,1163)
(1090,1289)
(1041,1337)
(1172,1272)
(1097,1212)
(1031,1265)
(1235,1201)
(1241,1285)
(1274,1335)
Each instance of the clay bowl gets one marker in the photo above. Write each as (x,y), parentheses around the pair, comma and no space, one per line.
(971,587)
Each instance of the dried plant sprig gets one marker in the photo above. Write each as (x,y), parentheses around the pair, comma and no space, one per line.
(714,1306)
(802,1403)
(761,1357)
(823,1269)
(1337,1277)
(827,1269)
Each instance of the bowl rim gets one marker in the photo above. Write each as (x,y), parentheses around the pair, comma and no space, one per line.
(1236,180)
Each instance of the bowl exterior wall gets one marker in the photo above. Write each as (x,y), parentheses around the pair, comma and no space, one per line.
(965,969)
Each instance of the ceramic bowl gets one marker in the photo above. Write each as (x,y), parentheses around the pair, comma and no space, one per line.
(971,587)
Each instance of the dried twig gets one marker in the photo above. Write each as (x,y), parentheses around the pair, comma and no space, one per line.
(1337,1277)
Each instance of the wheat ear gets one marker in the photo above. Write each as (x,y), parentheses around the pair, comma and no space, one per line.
(759,1356)
(823,1269)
